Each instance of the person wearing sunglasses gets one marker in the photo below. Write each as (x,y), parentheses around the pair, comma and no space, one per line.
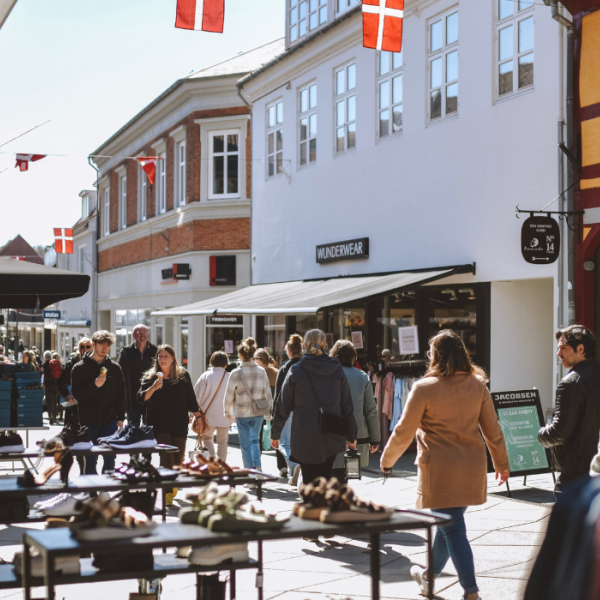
(64,382)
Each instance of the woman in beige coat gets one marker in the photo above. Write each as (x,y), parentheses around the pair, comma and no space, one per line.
(446,410)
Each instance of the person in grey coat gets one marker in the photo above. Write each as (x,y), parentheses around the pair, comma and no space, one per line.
(365,409)
(316,382)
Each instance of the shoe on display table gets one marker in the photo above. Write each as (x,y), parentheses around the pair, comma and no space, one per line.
(63,507)
(11,442)
(115,436)
(136,437)
(67,565)
(216,555)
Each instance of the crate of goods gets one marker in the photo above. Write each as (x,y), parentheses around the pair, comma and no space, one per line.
(29,404)
(6,385)
(30,417)
(30,394)
(5,406)
(25,378)
(5,395)
(9,369)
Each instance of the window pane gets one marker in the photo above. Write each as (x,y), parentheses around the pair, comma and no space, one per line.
(384,123)
(436,72)
(351,77)
(340,139)
(272,116)
(218,174)
(302,27)
(293,16)
(505,78)
(352,108)
(313,5)
(452,66)
(280,162)
(303,129)
(523,4)
(525,34)
(279,137)
(232,174)
(271,148)
(352,135)
(526,70)
(313,151)
(397,119)
(303,101)
(396,60)
(397,89)
(293,2)
(271,166)
(313,21)
(313,126)
(451,98)
(506,43)
(340,110)
(313,96)
(436,104)
(322,15)
(302,9)
(294,33)
(452,28)
(232,143)
(340,82)
(436,36)
(303,153)
(505,8)
(384,94)
(280,112)
(384,62)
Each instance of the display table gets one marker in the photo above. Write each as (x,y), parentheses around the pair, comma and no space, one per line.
(54,543)
(21,455)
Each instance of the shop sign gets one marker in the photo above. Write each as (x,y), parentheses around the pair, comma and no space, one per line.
(223,270)
(350,250)
(520,415)
(52,314)
(177,271)
(357,339)
(540,240)
(409,339)
(225,320)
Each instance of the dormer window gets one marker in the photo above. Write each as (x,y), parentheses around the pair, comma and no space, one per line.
(304,16)
(85,207)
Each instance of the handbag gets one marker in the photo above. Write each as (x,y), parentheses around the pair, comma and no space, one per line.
(266,436)
(260,406)
(330,424)
(199,424)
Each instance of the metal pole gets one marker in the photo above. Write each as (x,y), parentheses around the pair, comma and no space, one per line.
(570,114)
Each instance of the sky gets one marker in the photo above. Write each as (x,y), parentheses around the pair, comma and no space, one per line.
(88,66)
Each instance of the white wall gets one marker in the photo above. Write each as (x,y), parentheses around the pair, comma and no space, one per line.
(522,337)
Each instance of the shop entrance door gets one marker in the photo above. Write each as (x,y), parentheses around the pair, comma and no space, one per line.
(224,333)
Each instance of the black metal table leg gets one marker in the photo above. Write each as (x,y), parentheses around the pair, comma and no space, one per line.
(232,584)
(375,566)
(26,570)
(259,573)
(430,573)
(259,490)
(49,576)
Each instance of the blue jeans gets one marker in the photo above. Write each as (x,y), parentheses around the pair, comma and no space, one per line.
(95,432)
(249,436)
(451,542)
(137,415)
(284,444)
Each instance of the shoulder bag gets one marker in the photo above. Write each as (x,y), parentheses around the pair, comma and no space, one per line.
(199,424)
(330,424)
(260,406)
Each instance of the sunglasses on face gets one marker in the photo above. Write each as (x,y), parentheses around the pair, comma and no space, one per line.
(85,347)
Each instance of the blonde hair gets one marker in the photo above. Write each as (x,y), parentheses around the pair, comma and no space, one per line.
(315,342)
(294,345)
(247,349)
(56,356)
(263,356)
(176,371)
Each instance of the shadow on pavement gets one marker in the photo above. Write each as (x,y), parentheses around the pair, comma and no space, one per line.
(530,494)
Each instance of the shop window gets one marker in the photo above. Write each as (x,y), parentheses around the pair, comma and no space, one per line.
(184,329)
(308,125)
(390,93)
(345,108)
(223,339)
(274,139)
(396,310)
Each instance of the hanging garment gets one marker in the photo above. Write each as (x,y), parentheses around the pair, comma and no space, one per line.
(388,395)
(398,385)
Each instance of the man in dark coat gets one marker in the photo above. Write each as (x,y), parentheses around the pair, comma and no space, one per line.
(573,434)
(135,360)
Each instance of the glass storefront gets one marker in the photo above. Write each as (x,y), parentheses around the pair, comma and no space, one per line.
(125,321)
(184,330)
(224,333)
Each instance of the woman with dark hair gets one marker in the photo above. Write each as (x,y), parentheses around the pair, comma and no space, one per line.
(317,391)
(446,410)
(28,363)
(365,409)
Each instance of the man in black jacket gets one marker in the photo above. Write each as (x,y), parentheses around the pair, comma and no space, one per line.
(98,385)
(574,431)
(135,360)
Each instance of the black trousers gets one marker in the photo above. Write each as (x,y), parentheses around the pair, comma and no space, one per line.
(311,472)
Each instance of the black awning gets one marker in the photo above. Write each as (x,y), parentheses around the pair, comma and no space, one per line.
(24,284)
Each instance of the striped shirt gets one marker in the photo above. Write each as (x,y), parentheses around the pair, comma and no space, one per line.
(237,401)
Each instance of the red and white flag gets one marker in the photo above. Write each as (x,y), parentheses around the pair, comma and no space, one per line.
(205,15)
(149,165)
(63,242)
(382,24)
(23,160)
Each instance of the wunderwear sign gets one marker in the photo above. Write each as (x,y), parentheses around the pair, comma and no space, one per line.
(348,250)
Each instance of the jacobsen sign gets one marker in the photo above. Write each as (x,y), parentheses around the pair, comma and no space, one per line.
(350,250)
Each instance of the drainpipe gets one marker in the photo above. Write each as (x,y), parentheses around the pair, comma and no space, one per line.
(94,286)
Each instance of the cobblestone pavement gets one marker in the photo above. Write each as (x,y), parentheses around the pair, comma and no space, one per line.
(505,535)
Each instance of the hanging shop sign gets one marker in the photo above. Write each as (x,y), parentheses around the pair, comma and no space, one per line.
(520,415)
(540,240)
(349,250)
(409,339)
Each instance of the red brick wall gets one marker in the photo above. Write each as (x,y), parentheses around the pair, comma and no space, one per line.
(199,235)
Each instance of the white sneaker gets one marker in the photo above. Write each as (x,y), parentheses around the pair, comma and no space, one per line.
(295,476)
(64,507)
(67,565)
(419,575)
(215,555)
(49,501)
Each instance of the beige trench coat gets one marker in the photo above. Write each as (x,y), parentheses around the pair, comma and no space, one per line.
(446,414)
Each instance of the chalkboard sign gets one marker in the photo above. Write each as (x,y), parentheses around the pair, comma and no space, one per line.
(520,415)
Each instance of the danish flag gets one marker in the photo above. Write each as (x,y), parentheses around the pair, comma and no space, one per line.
(23,160)
(149,165)
(205,15)
(63,243)
(382,24)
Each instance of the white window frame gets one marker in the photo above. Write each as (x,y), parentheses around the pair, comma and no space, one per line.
(68,262)
(225,154)
(180,172)
(513,20)
(85,207)
(442,53)
(273,129)
(161,184)
(388,82)
(343,5)
(81,256)
(142,192)
(307,124)
(348,98)
(106,211)
(305,16)
(123,201)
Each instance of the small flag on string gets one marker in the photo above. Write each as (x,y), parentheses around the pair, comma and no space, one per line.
(205,15)
(63,240)
(149,165)
(23,160)
(382,24)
